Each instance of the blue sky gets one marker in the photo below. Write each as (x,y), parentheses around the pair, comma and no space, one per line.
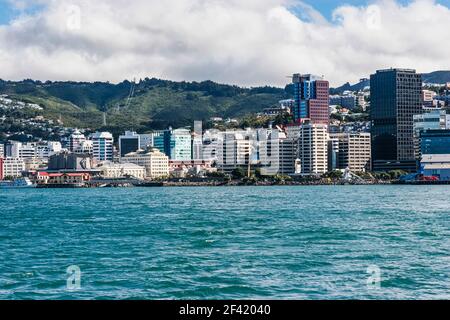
(9,12)
(326,7)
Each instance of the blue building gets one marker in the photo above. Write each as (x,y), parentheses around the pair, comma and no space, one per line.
(435,142)
(176,144)
(311,99)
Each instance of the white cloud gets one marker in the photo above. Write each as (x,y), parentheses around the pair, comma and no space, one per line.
(251,42)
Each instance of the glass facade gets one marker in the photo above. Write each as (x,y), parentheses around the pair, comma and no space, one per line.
(435,142)
(176,144)
(311,99)
(395,99)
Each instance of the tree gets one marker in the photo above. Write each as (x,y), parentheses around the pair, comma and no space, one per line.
(395,174)
(238,173)
(335,175)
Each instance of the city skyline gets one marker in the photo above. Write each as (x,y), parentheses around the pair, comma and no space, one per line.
(228,42)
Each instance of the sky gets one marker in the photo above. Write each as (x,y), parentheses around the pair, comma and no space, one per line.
(244,42)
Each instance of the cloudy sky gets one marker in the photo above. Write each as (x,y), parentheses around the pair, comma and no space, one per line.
(245,42)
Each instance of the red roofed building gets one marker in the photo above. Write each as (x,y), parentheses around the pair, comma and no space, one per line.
(62,178)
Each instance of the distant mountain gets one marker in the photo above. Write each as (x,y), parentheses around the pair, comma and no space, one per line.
(348,87)
(437,77)
(154,103)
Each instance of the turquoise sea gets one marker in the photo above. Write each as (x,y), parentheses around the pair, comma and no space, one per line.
(227,243)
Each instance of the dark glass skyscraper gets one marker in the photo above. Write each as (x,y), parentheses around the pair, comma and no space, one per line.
(312,99)
(395,99)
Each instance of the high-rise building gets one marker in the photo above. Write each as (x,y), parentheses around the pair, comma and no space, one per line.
(353,151)
(396,96)
(313,148)
(234,149)
(130,142)
(311,95)
(147,140)
(75,140)
(176,144)
(103,146)
(2,150)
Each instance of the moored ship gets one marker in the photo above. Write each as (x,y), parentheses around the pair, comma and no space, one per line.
(18,183)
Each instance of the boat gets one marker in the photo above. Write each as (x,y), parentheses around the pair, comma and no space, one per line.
(18,183)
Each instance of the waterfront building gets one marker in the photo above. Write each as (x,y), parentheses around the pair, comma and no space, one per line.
(195,168)
(288,155)
(13,167)
(1,168)
(276,152)
(313,148)
(103,146)
(61,179)
(112,170)
(432,119)
(235,149)
(396,96)
(350,150)
(435,142)
(75,140)
(311,95)
(436,165)
(2,150)
(71,162)
(176,144)
(130,142)
(155,162)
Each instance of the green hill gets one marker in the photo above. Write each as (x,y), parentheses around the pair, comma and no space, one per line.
(155,104)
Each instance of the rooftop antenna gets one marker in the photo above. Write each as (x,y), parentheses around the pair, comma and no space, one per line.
(104,119)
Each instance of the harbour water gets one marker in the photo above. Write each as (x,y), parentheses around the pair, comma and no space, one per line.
(227,243)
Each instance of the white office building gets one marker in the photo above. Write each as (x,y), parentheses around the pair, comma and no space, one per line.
(103,146)
(155,162)
(350,150)
(13,167)
(75,140)
(112,170)
(313,149)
